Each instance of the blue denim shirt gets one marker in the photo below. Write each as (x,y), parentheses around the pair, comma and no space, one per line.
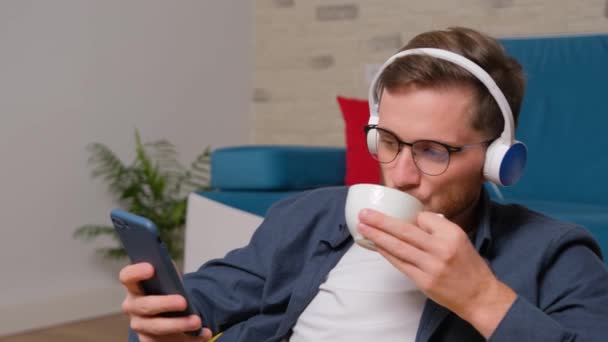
(256,293)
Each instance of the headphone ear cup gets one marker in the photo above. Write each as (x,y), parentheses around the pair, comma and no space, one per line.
(372,142)
(505,163)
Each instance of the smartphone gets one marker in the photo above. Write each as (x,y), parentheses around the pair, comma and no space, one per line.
(141,240)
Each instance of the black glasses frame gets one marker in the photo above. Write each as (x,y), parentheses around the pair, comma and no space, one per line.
(451,149)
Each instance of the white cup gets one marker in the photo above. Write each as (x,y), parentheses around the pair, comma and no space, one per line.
(389,201)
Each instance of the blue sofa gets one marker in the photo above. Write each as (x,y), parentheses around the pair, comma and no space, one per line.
(252,178)
(563,122)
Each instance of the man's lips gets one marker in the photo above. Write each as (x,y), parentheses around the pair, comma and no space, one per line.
(422,199)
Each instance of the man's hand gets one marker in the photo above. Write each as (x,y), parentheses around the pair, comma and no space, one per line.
(143,310)
(439,258)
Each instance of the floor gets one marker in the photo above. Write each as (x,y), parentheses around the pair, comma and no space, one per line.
(104,329)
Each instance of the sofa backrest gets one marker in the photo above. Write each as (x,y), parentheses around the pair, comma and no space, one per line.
(564,118)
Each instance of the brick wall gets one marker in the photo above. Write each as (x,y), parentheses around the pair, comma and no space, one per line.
(309,51)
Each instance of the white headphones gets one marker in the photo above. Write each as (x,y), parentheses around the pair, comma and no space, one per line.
(505,157)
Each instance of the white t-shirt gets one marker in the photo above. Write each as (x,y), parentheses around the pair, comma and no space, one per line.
(364,298)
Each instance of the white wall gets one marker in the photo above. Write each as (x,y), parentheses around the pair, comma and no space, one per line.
(73,72)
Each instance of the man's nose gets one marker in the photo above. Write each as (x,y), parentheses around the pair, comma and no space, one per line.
(404,172)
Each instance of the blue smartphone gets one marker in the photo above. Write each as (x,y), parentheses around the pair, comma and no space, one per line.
(141,240)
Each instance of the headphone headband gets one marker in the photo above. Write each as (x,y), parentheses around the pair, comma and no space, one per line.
(508,132)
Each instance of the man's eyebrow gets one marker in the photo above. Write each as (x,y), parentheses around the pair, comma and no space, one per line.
(425,139)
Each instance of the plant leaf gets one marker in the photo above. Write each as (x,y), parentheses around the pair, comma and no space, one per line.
(91,231)
(112,252)
(155,185)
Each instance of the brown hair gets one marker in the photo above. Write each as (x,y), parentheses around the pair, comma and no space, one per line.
(485,51)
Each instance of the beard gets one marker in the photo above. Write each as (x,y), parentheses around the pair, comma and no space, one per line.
(454,202)
(458,205)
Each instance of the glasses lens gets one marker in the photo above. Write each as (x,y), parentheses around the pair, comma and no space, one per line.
(388,146)
(430,157)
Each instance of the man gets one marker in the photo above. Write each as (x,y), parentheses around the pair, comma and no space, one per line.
(478,271)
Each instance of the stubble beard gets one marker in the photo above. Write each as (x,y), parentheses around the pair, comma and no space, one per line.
(458,206)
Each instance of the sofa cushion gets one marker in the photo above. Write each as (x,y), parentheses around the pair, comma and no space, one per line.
(274,168)
(360,166)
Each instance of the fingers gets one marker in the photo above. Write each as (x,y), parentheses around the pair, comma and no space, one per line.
(131,275)
(179,337)
(143,310)
(162,326)
(206,335)
(436,223)
(412,271)
(402,250)
(396,227)
(153,305)
(428,221)
(447,232)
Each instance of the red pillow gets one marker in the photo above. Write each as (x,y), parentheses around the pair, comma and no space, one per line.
(360,166)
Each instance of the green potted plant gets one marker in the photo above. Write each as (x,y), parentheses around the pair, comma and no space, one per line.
(154,185)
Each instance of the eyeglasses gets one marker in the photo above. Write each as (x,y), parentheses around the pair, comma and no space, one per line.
(431,157)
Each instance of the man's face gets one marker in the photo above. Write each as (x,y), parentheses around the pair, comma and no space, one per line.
(443,115)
